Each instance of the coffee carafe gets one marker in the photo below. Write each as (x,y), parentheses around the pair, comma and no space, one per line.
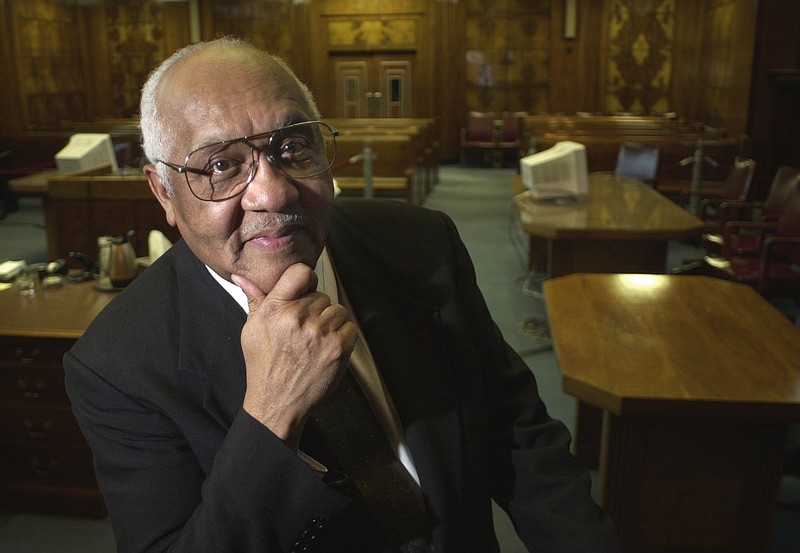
(117,259)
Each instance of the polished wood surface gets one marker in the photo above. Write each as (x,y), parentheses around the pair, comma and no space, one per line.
(47,464)
(615,208)
(34,184)
(635,344)
(622,226)
(62,312)
(698,379)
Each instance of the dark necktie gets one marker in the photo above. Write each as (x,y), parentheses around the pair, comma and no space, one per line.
(345,435)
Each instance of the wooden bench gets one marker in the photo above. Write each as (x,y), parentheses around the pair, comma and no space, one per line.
(32,151)
(634,123)
(677,140)
(382,187)
(395,157)
(421,130)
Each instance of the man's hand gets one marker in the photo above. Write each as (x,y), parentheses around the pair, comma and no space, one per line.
(296,346)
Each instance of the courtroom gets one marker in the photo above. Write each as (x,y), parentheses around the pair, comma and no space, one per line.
(546,251)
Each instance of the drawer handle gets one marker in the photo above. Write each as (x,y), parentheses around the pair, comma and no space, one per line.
(44,470)
(29,358)
(31,390)
(29,426)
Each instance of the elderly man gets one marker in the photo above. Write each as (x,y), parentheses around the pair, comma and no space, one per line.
(218,389)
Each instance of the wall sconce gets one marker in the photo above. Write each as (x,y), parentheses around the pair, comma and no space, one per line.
(570,18)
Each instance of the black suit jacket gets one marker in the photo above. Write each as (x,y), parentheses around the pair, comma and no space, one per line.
(158,379)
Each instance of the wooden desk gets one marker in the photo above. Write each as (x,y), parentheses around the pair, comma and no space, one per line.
(698,379)
(79,208)
(47,465)
(34,184)
(623,226)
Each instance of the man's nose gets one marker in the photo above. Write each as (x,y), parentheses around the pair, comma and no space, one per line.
(270,189)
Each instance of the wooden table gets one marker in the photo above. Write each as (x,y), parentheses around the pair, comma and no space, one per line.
(622,226)
(47,465)
(698,379)
(34,184)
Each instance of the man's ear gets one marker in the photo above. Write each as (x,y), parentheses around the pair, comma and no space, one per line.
(160,192)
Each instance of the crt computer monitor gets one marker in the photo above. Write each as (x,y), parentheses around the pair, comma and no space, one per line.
(87,151)
(557,172)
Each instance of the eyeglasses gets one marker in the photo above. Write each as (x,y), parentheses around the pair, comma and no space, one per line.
(223,170)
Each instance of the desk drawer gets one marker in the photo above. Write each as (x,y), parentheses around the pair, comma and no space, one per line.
(37,352)
(31,384)
(48,465)
(44,425)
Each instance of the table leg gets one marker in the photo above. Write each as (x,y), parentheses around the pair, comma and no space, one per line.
(586,440)
(679,484)
(538,252)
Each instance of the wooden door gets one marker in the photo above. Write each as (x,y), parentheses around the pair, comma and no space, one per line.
(373,85)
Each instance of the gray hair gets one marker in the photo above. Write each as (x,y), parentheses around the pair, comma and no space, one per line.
(158,139)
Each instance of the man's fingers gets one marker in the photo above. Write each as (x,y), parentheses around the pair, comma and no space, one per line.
(295,282)
(254,294)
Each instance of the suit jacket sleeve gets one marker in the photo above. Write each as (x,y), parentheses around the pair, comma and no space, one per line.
(534,477)
(473,417)
(177,472)
(160,499)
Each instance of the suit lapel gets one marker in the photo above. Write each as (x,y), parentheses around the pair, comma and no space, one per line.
(404,332)
(210,351)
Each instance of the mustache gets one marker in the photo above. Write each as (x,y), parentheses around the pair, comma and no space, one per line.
(274,220)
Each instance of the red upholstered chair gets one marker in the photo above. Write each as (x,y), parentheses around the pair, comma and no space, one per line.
(775,269)
(736,187)
(768,211)
(509,141)
(479,134)
(512,126)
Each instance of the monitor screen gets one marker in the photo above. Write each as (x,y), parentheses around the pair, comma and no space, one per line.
(87,151)
(557,172)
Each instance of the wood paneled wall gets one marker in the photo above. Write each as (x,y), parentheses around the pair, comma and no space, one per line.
(125,40)
(727,52)
(45,60)
(507,55)
(774,122)
(67,60)
(639,46)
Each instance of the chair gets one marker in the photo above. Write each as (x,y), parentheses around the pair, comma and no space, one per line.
(479,134)
(736,188)
(775,269)
(784,182)
(122,152)
(510,136)
(639,161)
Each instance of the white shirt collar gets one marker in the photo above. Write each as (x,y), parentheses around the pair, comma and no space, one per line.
(323,270)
